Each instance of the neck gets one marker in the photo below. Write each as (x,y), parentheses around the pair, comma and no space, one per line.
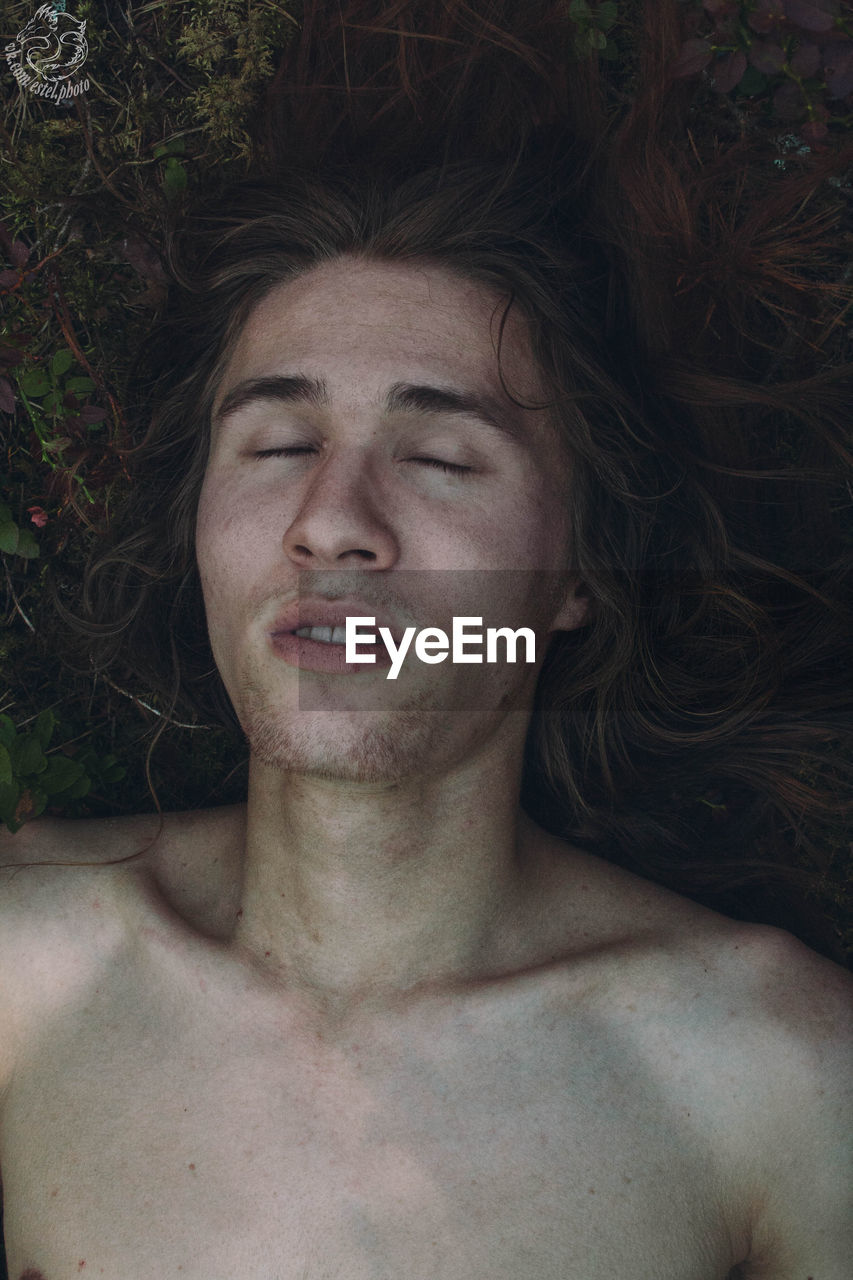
(360,891)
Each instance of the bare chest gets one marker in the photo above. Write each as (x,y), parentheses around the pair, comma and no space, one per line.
(492,1140)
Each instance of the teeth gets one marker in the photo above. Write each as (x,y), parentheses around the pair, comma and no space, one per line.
(326,635)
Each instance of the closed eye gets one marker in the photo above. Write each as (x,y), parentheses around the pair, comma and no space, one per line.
(450,468)
(291,451)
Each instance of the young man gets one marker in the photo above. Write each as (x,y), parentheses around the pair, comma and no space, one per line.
(376,1022)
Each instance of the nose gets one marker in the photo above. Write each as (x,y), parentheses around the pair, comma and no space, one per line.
(340,522)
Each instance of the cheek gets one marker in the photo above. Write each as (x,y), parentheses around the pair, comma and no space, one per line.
(511,532)
(529,533)
(213,532)
(234,539)
(233,559)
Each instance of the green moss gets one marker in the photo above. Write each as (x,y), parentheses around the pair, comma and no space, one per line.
(172,89)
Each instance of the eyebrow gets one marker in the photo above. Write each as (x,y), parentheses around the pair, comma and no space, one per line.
(402,397)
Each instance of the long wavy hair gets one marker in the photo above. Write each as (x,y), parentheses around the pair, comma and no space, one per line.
(683,313)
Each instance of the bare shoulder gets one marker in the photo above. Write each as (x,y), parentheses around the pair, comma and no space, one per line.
(756,990)
(762,1019)
(747,1034)
(184,852)
(56,918)
(790,1010)
(64,841)
(71,893)
(792,1095)
(799,993)
(791,1015)
(755,1034)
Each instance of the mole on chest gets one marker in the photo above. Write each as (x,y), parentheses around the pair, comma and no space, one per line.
(31,1274)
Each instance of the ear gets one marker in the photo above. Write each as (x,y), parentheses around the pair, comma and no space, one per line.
(575,608)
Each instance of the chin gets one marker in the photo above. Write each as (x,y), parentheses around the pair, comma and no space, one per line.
(374,745)
(360,747)
(418,731)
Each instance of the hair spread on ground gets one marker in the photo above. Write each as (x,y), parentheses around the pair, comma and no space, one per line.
(684,297)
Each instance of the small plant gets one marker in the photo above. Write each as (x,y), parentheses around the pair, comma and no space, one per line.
(174,173)
(591,24)
(15,541)
(55,399)
(797,54)
(30,778)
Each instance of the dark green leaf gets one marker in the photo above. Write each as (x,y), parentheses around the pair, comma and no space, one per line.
(39,803)
(7,731)
(27,755)
(61,362)
(752,82)
(27,545)
(175,146)
(606,15)
(174,178)
(80,386)
(61,773)
(44,727)
(9,796)
(5,765)
(9,538)
(80,788)
(35,382)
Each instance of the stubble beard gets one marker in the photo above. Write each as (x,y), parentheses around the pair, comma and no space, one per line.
(369,746)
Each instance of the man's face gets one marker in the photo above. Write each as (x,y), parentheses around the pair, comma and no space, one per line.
(363,450)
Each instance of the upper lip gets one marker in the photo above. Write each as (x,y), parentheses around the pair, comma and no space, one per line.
(314,611)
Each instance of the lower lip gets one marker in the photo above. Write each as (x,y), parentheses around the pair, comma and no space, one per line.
(314,655)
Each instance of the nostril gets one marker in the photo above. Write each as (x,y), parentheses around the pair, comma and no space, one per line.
(361,552)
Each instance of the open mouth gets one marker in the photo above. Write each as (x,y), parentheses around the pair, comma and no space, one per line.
(323,635)
(323,648)
(311,633)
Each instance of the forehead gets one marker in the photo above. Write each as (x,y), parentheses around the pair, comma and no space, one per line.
(373,317)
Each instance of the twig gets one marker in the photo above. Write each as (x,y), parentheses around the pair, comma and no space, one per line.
(75,189)
(80,103)
(177,723)
(16,600)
